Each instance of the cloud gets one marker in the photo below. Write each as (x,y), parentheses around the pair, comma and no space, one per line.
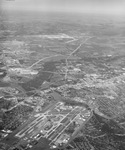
(90,6)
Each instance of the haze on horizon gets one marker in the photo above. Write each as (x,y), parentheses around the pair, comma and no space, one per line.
(116,7)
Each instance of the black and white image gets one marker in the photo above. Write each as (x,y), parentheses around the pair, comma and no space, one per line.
(62,74)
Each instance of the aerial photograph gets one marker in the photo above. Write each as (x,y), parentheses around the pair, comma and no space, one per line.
(62,74)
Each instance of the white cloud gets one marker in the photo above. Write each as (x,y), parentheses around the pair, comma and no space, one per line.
(92,6)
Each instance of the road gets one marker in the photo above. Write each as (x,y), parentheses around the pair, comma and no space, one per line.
(42,60)
(73,53)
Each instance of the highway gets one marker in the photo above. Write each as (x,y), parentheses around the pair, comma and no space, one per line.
(74,51)
(42,60)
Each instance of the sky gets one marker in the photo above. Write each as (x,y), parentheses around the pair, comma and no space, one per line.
(81,6)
